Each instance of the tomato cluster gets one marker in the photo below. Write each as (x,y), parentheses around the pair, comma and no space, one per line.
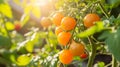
(64,24)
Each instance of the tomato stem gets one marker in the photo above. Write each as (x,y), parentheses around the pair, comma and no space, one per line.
(64,65)
(114,62)
(4,23)
(103,10)
(47,37)
(71,36)
(93,53)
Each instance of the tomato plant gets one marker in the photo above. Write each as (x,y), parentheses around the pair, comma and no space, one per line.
(59,33)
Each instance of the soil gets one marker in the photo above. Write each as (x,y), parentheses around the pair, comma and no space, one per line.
(99,58)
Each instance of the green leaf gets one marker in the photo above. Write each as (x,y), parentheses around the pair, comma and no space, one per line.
(88,32)
(29,46)
(5,54)
(23,60)
(59,4)
(113,42)
(100,64)
(24,19)
(52,38)
(36,11)
(100,26)
(3,31)
(76,1)
(9,26)
(12,58)
(104,35)
(1,1)
(117,20)
(4,41)
(114,3)
(5,9)
(29,43)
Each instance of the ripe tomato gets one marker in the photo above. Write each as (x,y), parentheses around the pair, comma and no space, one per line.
(90,19)
(64,37)
(77,48)
(17,26)
(68,23)
(46,22)
(57,18)
(83,56)
(66,56)
(58,30)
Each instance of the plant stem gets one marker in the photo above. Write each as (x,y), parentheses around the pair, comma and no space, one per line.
(64,65)
(93,53)
(114,62)
(7,31)
(103,10)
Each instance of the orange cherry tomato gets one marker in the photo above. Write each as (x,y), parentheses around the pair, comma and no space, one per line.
(57,18)
(58,30)
(46,22)
(64,37)
(66,56)
(90,19)
(68,23)
(77,48)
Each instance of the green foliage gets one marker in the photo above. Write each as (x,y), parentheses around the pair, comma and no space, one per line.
(9,26)
(35,10)
(105,34)
(24,19)
(23,60)
(88,32)
(114,3)
(5,9)
(1,1)
(100,64)
(4,41)
(117,20)
(113,43)
(28,44)
(98,27)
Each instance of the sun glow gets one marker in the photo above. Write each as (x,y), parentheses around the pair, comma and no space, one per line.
(42,2)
